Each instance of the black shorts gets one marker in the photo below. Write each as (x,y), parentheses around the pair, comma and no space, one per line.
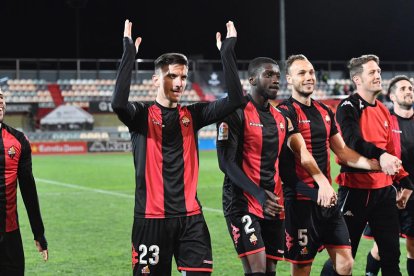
(310,227)
(406,219)
(11,253)
(251,234)
(155,241)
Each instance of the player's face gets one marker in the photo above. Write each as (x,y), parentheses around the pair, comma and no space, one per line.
(370,77)
(170,82)
(302,77)
(2,106)
(403,94)
(267,81)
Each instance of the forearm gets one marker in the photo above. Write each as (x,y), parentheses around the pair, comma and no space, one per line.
(123,78)
(31,202)
(238,178)
(232,79)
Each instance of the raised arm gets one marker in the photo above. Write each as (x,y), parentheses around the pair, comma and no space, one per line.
(126,111)
(29,194)
(217,110)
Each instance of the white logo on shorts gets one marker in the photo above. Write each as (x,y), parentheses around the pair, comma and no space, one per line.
(348,213)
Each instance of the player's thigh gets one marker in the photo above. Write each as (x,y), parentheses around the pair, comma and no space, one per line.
(11,254)
(152,245)
(334,230)
(193,252)
(246,234)
(273,234)
(301,241)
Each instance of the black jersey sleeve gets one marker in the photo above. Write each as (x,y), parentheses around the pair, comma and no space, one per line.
(348,120)
(126,111)
(229,153)
(29,193)
(208,113)
(334,129)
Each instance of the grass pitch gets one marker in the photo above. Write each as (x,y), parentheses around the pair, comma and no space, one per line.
(87,207)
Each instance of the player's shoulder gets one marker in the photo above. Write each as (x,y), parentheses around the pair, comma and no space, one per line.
(350,102)
(19,135)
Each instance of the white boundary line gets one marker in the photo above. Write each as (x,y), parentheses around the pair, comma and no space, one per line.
(106,192)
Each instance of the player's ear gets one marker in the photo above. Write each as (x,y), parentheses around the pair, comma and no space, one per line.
(288,79)
(156,80)
(252,81)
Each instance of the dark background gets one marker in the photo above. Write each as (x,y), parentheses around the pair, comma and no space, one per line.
(320,29)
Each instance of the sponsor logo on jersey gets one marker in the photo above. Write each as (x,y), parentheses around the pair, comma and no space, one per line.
(11,152)
(348,213)
(223,132)
(235,232)
(397,131)
(280,251)
(186,121)
(304,121)
(207,262)
(256,124)
(157,123)
(385,124)
(253,239)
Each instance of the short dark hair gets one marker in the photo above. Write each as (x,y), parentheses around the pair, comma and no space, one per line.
(355,64)
(170,58)
(291,59)
(255,64)
(393,82)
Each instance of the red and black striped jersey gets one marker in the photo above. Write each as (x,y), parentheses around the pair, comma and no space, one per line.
(366,128)
(249,143)
(403,138)
(317,125)
(16,167)
(164,140)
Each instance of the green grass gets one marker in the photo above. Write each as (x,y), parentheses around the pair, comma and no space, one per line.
(87,207)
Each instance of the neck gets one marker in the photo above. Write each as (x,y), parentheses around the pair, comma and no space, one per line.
(302,97)
(405,113)
(259,100)
(368,96)
(165,103)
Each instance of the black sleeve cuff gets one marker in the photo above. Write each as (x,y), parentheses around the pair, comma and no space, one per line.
(42,241)
(406,183)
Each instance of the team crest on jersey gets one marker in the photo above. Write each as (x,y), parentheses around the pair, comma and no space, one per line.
(281,126)
(253,239)
(11,152)
(304,251)
(145,270)
(223,132)
(327,118)
(185,121)
(385,124)
(235,232)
